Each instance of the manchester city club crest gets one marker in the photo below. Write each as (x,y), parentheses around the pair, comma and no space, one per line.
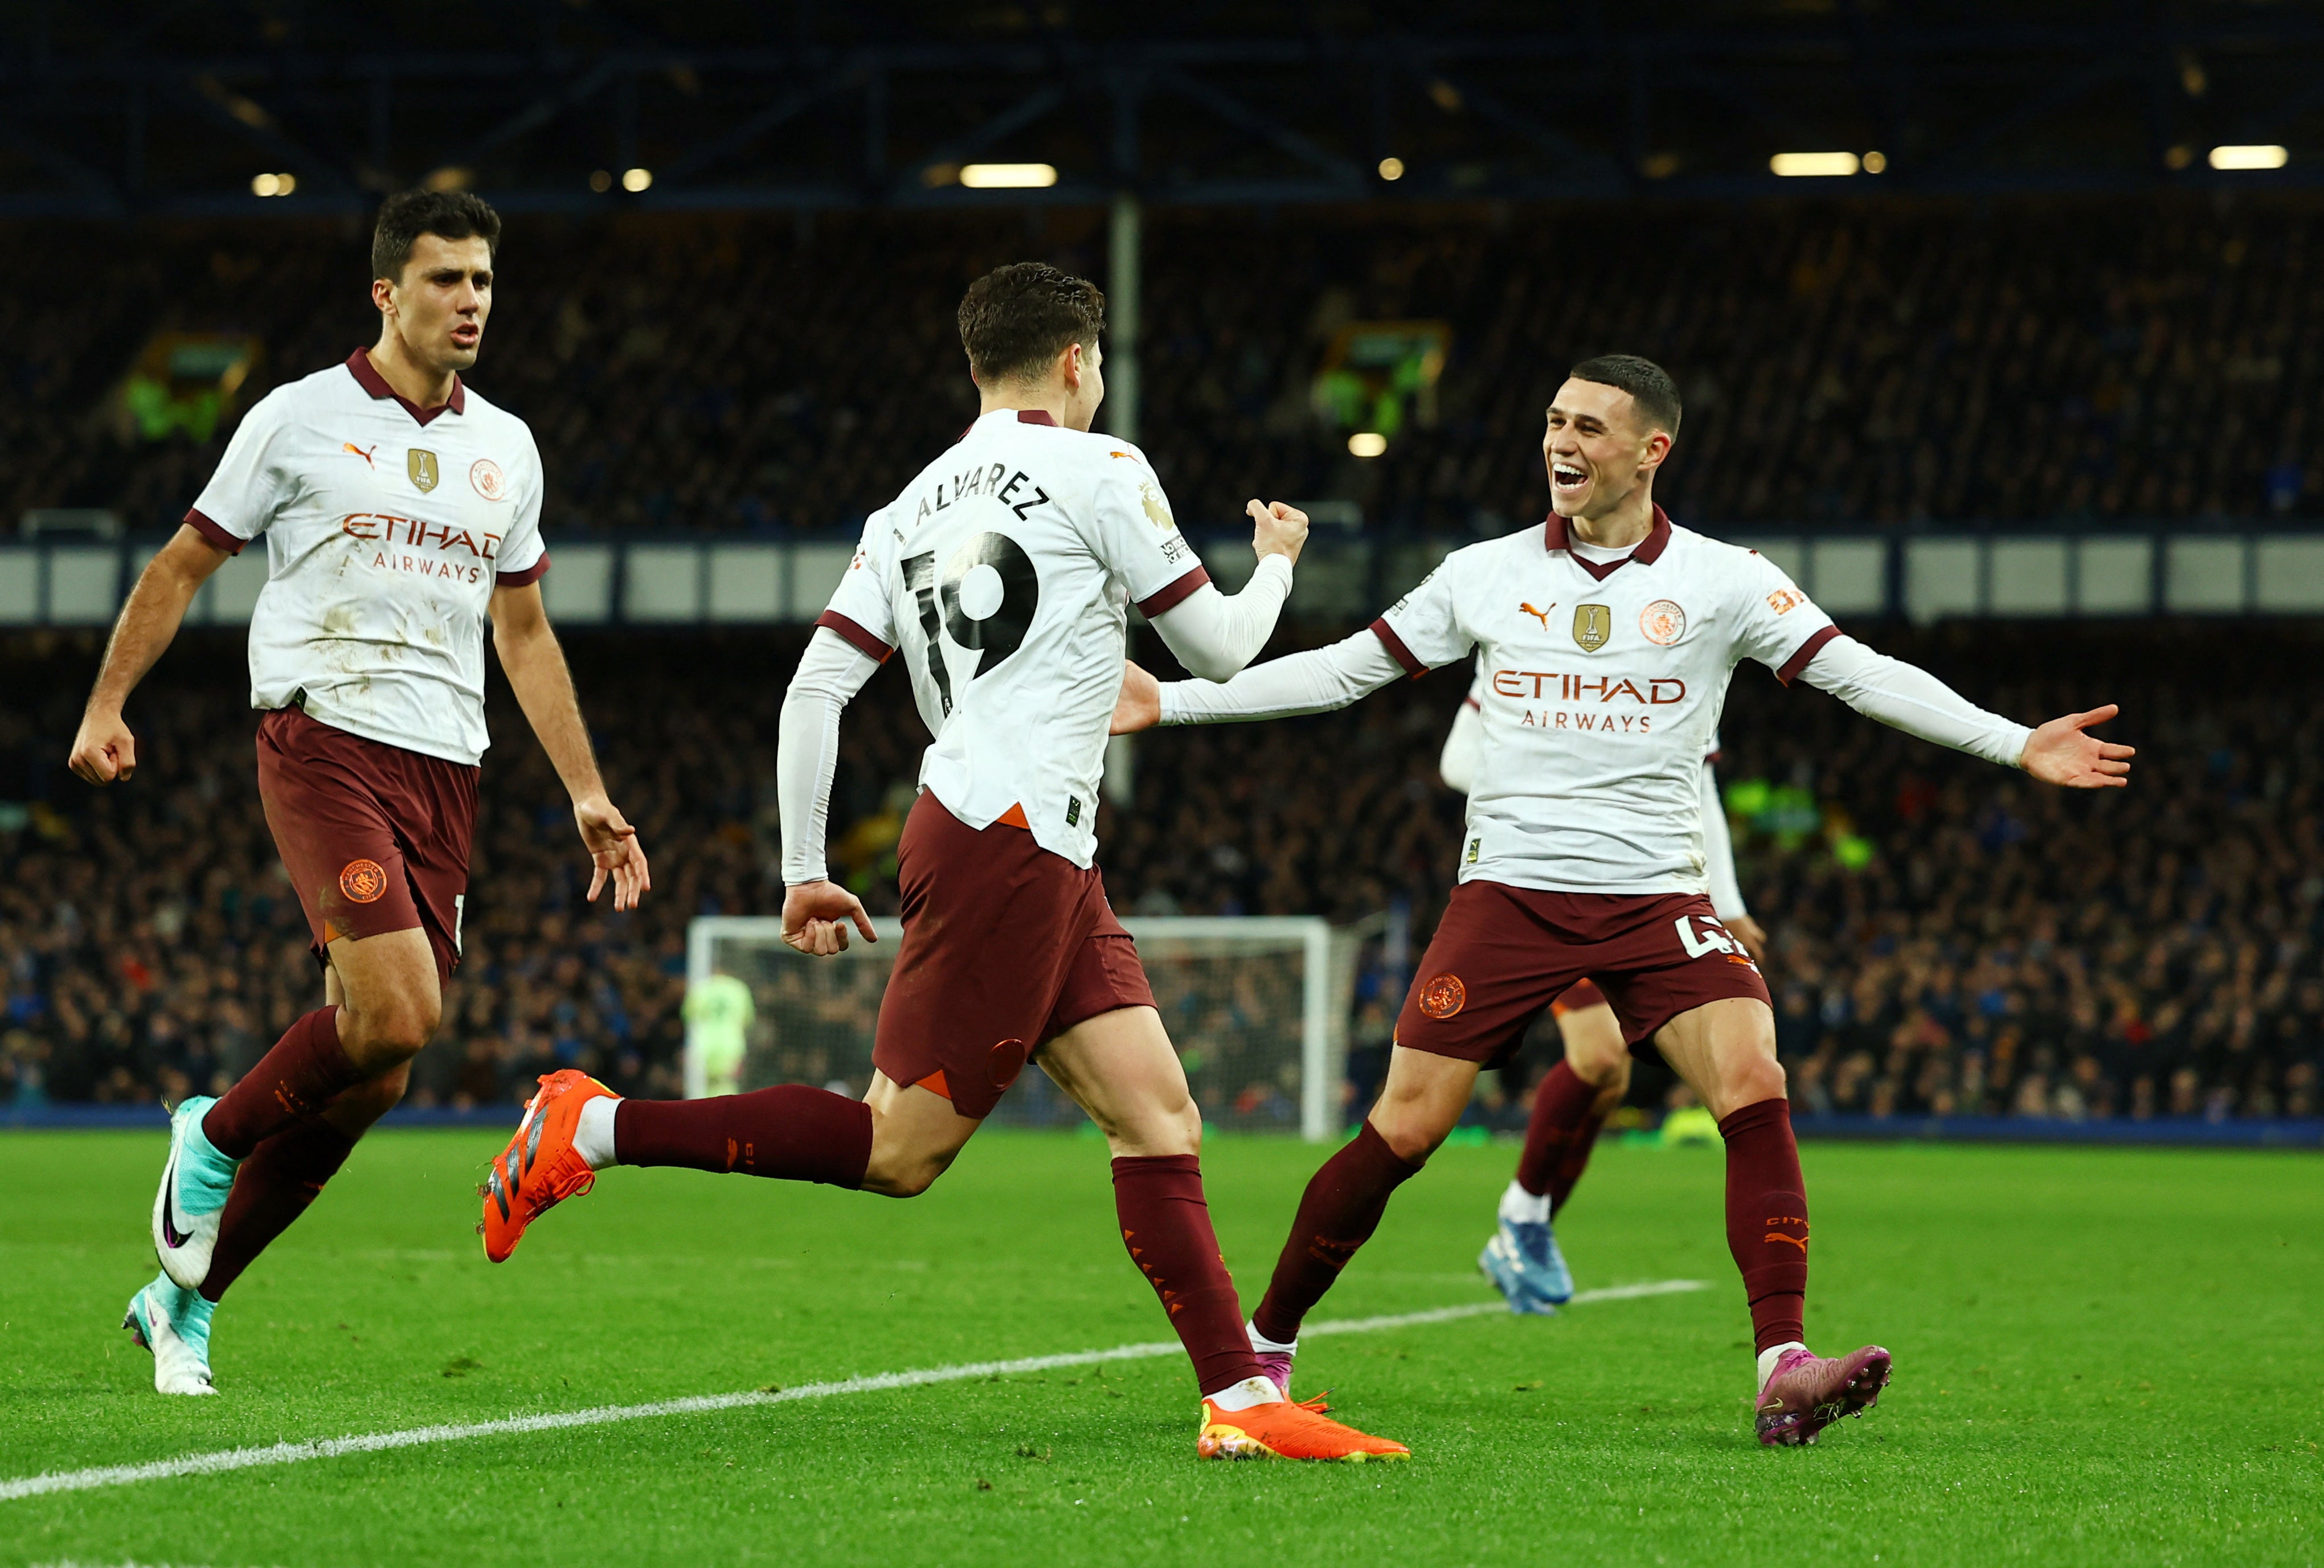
(1592,624)
(420,463)
(1663,622)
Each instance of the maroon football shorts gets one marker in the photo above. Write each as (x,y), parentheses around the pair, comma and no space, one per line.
(1005,947)
(1577,996)
(1502,953)
(376,837)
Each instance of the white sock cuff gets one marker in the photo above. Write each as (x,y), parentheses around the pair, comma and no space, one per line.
(1770,1356)
(1242,1395)
(592,1132)
(1259,1342)
(1523,1207)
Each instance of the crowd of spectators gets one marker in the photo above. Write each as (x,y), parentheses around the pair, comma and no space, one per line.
(152,945)
(1946,939)
(2148,358)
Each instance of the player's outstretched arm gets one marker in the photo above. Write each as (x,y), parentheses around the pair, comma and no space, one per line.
(1719,852)
(1215,634)
(1314,682)
(105,751)
(1465,743)
(817,911)
(1913,700)
(535,665)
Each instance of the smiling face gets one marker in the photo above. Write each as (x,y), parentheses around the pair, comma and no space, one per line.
(438,305)
(1598,449)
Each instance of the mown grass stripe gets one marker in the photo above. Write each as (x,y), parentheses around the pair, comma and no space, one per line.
(231,1459)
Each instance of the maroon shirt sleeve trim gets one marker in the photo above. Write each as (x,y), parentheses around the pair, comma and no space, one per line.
(1472,702)
(1173,594)
(1386,633)
(1807,651)
(532,574)
(213,533)
(870,646)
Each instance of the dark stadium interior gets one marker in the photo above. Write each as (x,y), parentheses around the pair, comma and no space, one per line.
(1943,943)
(735,237)
(1889,364)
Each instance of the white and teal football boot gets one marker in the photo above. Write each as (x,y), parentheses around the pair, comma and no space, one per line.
(194,1188)
(1523,1261)
(174,1324)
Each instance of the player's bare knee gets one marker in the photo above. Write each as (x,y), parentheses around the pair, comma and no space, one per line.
(389,1037)
(1167,1131)
(1411,1131)
(1602,1069)
(384,1031)
(1750,1081)
(905,1176)
(1611,1092)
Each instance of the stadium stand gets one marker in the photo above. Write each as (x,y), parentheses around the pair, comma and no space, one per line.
(1945,942)
(1860,363)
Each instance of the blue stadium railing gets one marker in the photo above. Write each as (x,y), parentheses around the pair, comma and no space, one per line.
(677,580)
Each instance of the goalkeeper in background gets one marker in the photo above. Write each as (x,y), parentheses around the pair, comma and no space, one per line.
(718,1014)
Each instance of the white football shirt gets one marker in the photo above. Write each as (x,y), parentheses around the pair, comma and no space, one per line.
(1602,688)
(387,529)
(1003,573)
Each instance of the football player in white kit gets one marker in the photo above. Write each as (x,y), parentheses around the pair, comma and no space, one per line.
(1003,576)
(1609,636)
(402,513)
(1574,1097)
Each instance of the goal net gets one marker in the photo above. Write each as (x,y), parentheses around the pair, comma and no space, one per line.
(1258,1009)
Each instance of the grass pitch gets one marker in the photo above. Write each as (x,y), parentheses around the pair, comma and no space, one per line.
(2102,1357)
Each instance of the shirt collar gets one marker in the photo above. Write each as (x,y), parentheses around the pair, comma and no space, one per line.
(1024,417)
(1556,536)
(367,376)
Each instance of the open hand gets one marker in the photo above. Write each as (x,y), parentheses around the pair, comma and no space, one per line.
(1281,530)
(105,751)
(2063,751)
(816,915)
(614,849)
(1139,705)
(1747,931)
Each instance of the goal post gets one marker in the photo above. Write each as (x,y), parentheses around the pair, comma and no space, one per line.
(1257,1007)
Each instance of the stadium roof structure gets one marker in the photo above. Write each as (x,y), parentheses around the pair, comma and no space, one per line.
(114,109)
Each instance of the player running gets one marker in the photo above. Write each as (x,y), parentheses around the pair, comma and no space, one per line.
(400,512)
(1574,1098)
(1610,636)
(1002,574)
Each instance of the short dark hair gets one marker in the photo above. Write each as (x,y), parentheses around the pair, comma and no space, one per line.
(1016,319)
(1648,384)
(403,217)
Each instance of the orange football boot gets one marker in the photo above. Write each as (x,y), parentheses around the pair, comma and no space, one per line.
(1288,1429)
(538,1169)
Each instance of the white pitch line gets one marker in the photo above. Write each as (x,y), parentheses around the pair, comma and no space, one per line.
(221,1460)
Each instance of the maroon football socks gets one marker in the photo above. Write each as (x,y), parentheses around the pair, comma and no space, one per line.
(1768,1219)
(274,1186)
(1167,1225)
(1559,1138)
(306,1071)
(791,1133)
(1338,1214)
